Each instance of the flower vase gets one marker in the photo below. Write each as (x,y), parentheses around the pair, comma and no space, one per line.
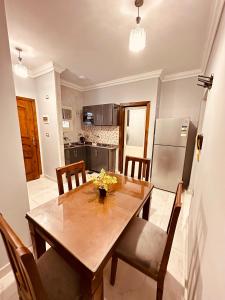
(102,193)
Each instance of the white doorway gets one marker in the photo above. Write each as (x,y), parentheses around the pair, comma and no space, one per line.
(134,131)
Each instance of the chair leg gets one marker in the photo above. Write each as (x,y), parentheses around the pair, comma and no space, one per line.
(159,293)
(113,269)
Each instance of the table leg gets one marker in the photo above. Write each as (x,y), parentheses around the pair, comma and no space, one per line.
(146,209)
(38,243)
(98,294)
(95,287)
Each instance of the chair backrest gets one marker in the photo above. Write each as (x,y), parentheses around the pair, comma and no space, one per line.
(69,170)
(143,168)
(23,265)
(171,229)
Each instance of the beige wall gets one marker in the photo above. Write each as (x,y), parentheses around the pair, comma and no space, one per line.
(24,87)
(50,136)
(206,243)
(136,91)
(180,98)
(74,99)
(13,191)
(37,89)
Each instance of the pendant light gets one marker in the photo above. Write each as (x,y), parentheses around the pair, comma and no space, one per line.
(137,39)
(20,69)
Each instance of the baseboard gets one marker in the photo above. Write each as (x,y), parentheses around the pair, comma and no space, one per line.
(187,204)
(8,287)
(50,177)
(5,270)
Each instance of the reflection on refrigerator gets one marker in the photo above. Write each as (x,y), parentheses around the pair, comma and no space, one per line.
(173,153)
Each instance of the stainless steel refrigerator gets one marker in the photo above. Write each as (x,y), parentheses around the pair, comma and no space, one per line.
(173,150)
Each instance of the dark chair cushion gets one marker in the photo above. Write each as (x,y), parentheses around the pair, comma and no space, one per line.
(60,280)
(142,245)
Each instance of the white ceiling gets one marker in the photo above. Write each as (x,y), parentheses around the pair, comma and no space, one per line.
(90,37)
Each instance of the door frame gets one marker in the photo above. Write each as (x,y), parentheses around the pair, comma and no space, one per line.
(123,106)
(33,102)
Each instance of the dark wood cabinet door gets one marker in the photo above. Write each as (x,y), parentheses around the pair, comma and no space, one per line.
(67,156)
(73,155)
(97,110)
(102,159)
(81,153)
(107,114)
(116,114)
(88,158)
(94,158)
(98,159)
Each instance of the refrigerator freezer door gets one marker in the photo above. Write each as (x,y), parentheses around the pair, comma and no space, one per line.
(167,168)
(172,132)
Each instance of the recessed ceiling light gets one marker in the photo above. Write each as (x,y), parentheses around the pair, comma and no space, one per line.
(82,77)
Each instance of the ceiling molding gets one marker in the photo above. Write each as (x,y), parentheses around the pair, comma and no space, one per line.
(72,85)
(124,80)
(44,69)
(215,19)
(134,78)
(182,75)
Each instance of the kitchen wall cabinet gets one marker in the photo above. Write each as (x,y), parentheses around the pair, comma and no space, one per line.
(98,115)
(103,115)
(110,114)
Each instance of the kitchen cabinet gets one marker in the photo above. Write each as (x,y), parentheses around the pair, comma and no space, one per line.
(67,156)
(78,153)
(96,158)
(88,115)
(110,114)
(98,115)
(75,154)
(103,115)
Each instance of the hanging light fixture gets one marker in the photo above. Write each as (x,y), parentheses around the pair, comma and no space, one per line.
(137,39)
(20,69)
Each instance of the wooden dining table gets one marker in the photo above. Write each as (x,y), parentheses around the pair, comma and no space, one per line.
(85,229)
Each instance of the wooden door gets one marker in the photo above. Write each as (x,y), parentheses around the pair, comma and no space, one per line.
(29,137)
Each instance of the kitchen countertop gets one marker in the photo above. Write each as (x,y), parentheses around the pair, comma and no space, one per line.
(98,145)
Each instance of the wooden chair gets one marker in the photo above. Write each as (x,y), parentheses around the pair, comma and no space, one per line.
(143,169)
(50,278)
(72,169)
(147,247)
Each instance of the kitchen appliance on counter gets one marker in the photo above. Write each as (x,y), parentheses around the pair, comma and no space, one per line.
(88,117)
(101,115)
(173,151)
(82,139)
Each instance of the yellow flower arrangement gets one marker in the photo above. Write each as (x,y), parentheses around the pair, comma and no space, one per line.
(103,180)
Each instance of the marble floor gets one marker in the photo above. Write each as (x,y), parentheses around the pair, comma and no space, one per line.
(130,283)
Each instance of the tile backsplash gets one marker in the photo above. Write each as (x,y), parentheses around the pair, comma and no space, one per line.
(102,134)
